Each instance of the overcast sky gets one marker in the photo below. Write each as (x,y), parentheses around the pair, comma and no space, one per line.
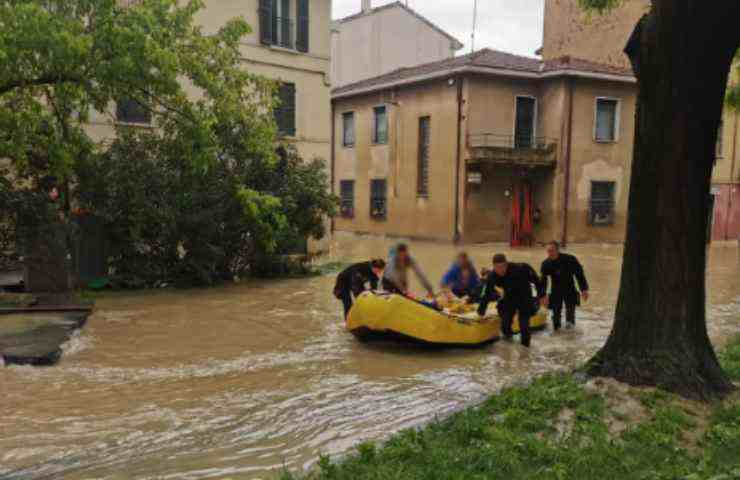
(510,25)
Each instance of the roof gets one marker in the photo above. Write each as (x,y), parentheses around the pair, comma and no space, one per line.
(492,62)
(456,43)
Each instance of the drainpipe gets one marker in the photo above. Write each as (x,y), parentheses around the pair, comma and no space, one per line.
(567,160)
(333,157)
(456,232)
(728,219)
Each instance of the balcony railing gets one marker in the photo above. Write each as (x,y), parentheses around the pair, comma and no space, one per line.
(513,149)
(283,32)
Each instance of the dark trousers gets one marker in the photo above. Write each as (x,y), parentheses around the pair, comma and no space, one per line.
(557,313)
(345,296)
(507,319)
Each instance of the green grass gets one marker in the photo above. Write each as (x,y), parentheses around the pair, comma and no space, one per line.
(515,435)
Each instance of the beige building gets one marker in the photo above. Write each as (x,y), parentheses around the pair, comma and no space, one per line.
(378,40)
(486,147)
(289,43)
(568,30)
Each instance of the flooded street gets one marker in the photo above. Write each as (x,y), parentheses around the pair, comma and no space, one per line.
(239,381)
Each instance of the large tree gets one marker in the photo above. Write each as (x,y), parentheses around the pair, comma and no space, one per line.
(682,53)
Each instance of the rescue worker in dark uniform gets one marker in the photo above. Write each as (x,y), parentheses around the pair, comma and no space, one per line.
(353,280)
(564,270)
(516,280)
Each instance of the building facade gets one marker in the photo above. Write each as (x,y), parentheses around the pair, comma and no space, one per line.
(568,30)
(378,40)
(486,147)
(289,43)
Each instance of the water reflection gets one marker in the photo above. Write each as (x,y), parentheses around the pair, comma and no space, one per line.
(237,381)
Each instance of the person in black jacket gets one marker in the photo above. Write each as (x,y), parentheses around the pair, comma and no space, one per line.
(353,280)
(563,269)
(516,280)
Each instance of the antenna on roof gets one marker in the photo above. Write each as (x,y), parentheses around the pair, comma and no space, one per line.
(475,22)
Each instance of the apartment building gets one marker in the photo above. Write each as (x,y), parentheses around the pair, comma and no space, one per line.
(486,147)
(290,43)
(376,41)
(568,30)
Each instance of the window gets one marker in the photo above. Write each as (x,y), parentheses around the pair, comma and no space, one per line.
(285,110)
(380,128)
(607,120)
(348,132)
(347,198)
(720,134)
(422,185)
(277,26)
(131,111)
(602,203)
(378,203)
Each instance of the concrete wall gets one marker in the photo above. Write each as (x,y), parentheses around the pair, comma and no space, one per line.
(568,30)
(408,214)
(382,41)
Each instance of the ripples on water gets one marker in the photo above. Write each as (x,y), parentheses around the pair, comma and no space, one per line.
(239,381)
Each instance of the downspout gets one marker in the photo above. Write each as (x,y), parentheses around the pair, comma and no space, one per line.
(567,161)
(458,155)
(728,219)
(333,158)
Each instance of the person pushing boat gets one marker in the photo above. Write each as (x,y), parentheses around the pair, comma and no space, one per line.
(563,268)
(354,279)
(395,277)
(516,280)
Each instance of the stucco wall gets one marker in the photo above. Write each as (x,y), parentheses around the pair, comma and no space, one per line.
(385,40)
(568,30)
(308,71)
(408,214)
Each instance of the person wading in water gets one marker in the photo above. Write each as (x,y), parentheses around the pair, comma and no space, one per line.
(516,280)
(354,279)
(563,268)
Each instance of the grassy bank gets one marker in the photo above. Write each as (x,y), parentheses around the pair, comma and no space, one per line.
(563,428)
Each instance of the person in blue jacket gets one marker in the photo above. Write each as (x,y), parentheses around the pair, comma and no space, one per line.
(461,279)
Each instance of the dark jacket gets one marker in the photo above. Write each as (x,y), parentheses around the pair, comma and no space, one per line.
(517,287)
(564,272)
(354,278)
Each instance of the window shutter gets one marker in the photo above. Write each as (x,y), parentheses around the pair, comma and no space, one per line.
(302,25)
(265,14)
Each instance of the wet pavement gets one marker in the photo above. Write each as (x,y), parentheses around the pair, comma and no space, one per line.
(239,381)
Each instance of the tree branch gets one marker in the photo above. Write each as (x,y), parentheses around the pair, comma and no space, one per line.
(49,79)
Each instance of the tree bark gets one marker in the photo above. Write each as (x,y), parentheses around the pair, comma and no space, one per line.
(681,54)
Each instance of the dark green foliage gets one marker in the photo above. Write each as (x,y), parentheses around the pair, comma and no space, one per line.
(169,222)
(730,359)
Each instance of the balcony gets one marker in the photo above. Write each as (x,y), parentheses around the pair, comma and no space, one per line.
(513,150)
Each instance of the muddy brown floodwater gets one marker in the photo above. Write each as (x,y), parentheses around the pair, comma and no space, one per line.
(238,381)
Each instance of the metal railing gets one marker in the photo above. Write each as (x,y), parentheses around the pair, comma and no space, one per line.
(283,32)
(515,142)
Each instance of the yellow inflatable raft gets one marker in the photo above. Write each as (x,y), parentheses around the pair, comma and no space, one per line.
(393,316)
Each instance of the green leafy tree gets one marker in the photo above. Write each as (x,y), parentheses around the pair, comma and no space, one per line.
(682,53)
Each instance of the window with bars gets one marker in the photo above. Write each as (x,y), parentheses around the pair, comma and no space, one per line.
(380,125)
(131,111)
(347,198)
(378,199)
(348,129)
(602,203)
(285,110)
(607,120)
(422,186)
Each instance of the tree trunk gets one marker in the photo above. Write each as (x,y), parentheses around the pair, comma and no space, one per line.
(681,53)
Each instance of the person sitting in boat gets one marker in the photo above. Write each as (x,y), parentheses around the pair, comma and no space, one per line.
(395,277)
(461,280)
(354,279)
(516,280)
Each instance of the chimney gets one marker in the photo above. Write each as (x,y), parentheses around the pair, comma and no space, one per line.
(366,6)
